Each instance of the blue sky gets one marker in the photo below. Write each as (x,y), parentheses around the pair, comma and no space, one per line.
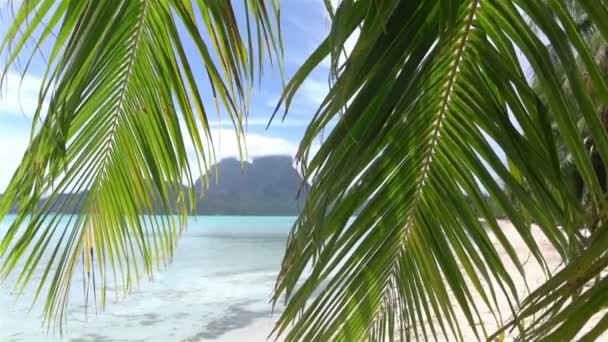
(304,23)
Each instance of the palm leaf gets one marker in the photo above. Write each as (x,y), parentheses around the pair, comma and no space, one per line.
(123,97)
(386,246)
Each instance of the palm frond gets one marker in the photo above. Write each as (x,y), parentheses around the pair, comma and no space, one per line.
(123,98)
(573,298)
(386,246)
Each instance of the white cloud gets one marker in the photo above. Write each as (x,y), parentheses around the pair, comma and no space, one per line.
(226,145)
(13,143)
(19,95)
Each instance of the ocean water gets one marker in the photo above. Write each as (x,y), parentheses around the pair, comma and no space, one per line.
(221,279)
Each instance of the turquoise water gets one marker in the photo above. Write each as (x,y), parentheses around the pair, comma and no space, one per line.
(221,279)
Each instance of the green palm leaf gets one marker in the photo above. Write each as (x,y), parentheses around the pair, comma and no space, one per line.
(426,89)
(122,96)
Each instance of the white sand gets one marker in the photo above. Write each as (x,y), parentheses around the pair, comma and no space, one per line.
(533,273)
(260,328)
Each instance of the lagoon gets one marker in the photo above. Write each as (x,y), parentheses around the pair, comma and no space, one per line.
(219,281)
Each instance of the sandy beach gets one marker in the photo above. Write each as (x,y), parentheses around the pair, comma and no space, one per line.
(259,329)
(533,272)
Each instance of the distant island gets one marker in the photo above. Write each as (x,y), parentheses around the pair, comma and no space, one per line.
(267,186)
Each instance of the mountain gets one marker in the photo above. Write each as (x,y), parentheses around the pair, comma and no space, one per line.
(268,186)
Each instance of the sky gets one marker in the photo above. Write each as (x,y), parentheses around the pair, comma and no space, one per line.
(304,25)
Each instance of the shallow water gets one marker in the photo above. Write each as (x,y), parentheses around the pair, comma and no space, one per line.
(221,279)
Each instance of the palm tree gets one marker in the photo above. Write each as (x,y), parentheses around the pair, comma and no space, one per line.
(387,248)
(597,45)
(598,49)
